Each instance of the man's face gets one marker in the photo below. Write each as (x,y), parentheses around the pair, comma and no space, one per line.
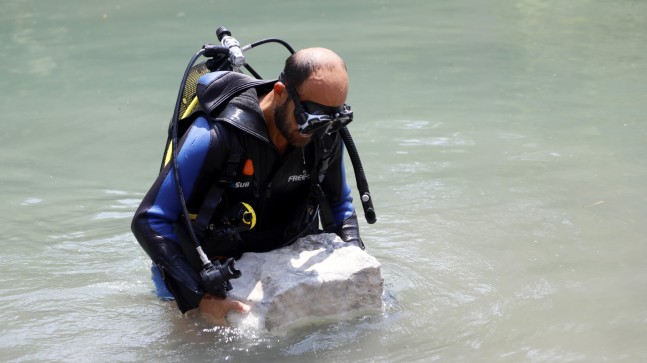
(287,124)
(327,87)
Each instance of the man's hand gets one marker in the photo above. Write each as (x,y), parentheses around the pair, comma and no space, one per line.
(215,308)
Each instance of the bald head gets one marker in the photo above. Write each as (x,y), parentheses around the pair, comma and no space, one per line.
(320,57)
(312,63)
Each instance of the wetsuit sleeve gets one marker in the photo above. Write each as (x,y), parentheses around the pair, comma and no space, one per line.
(153,223)
(341,201)
(336,187)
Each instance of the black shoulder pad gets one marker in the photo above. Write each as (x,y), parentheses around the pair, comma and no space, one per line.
(216,88)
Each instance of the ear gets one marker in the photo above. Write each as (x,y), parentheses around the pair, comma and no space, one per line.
(280,92)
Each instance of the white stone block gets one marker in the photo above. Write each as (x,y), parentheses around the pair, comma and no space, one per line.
(319,276)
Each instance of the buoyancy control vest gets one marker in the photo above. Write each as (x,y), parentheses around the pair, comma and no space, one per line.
(243,167)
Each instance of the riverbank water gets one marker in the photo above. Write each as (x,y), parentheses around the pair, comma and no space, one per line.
(504,144)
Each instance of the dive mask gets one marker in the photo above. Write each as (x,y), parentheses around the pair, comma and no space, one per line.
(315,118)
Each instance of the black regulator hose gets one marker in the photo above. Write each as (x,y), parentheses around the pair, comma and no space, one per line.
(270,40)
(360,176)
(174,156)
(260,42)
(214,275)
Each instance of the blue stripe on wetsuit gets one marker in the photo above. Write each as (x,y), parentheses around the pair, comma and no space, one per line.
(167,208)
(344,208)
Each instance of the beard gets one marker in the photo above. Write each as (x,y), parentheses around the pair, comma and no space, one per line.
(288,129)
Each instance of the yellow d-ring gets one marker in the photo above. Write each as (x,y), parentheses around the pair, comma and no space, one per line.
(249,216)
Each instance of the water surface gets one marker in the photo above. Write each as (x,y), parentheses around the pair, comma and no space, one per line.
(504,143)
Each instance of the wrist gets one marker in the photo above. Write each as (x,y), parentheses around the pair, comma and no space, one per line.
(208,296)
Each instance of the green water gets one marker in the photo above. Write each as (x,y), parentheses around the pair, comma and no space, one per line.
(504,142)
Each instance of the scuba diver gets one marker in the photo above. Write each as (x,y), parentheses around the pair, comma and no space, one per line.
(260,163)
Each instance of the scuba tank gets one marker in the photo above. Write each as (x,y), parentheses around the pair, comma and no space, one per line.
(228,56)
